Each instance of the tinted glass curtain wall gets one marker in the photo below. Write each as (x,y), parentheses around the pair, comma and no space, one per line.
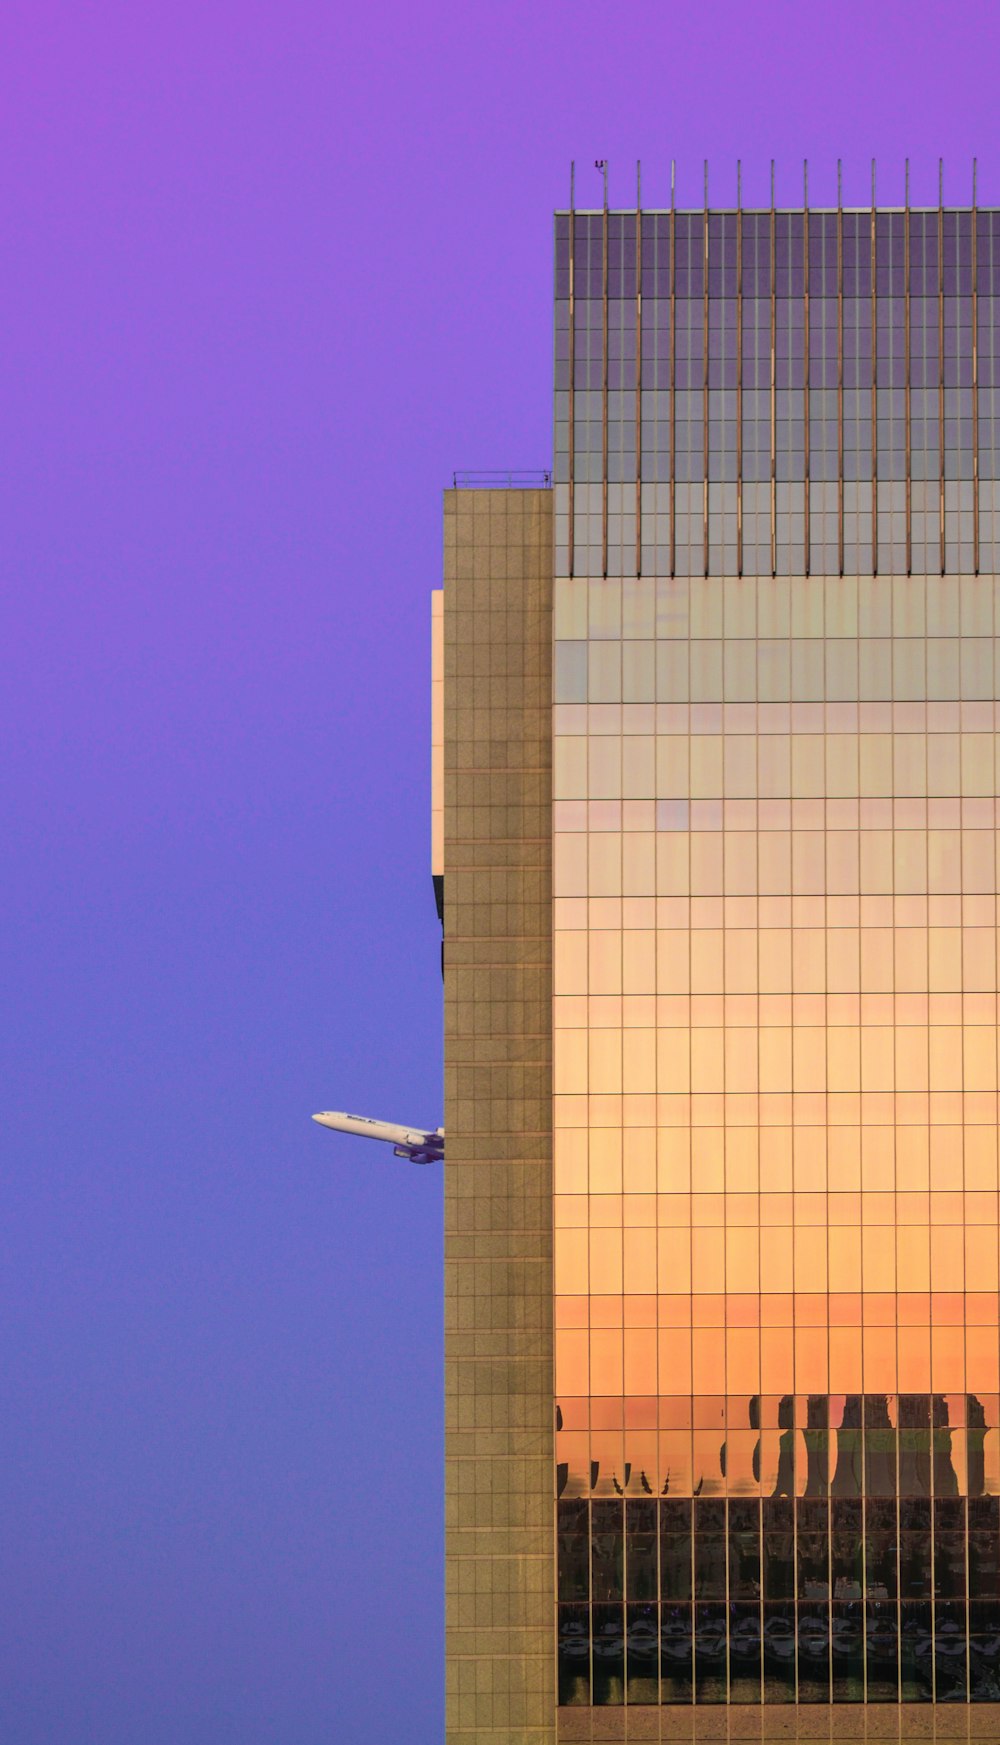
(775,743)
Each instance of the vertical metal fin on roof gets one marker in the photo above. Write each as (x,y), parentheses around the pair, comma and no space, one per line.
(975,376)
(704,379)
(739,368)
(907,351)
(773,394)
(638,369)
(673,369)
(941,356)
(571,436)
(874,394)
(805,364)
(604,374)
(840,371)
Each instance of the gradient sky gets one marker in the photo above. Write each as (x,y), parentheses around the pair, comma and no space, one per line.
(270,271)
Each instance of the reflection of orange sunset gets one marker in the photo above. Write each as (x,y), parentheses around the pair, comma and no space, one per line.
(776,1042)
(775,972)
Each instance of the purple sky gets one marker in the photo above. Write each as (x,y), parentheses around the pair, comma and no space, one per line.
(270,271)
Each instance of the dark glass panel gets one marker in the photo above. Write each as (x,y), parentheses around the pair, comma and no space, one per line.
(881,1525)
(779,1653)
(814,1653)
(710,1653)
(640,1567)
(641,1581)
(574,1655)
(949,1514)
(641,1515)
(675,1654)
(621,256)
(777,1514)
(846,1633)
(675,1515)
(984,1564)
(640,1550)
(882,1652)
(710,1515)
(609,1655)
(607,1547)
(846,1567)
(785,1482)
(823,254)
(923,253)
(574,1550)
(958,253)
(812,1515)
(722,255)
(690,254)
(889,264)
(744,1550)
(744,1654)
(949,1566)
(744,1515)
(788,255)
(709,1566)
(756,255)
(915,1571)
(813,1581)
(817,1441)
(675,1566)
(779,1565)
(881,1515)
(984,252)
(984,1515)
(916,1653)
(950,1653)
(846,1515)
(880,1566)
(642,1654)
(984,1652)
(914,1515)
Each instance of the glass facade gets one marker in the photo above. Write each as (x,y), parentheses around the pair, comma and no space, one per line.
(777,392)
(775,979)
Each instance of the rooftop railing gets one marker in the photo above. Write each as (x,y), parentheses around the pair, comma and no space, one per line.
(512,479)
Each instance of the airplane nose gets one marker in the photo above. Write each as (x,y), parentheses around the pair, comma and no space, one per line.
(323,1120)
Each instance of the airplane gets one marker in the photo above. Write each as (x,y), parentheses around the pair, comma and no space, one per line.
(415,1143)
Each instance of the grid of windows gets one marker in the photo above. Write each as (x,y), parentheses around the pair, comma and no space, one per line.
(751,354)
(744,1601)
(775,1101)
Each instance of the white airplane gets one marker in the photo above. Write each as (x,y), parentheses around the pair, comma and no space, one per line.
(414,1143)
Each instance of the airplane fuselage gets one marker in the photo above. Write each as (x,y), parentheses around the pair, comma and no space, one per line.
(416,1143)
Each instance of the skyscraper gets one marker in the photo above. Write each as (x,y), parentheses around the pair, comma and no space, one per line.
(717,770)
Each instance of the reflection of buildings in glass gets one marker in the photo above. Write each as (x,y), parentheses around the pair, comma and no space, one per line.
(775,951)
(764,1073)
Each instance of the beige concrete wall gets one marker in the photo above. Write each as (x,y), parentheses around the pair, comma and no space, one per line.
(498,1118)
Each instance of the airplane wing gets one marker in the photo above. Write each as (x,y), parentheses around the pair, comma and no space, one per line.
(421,1153)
